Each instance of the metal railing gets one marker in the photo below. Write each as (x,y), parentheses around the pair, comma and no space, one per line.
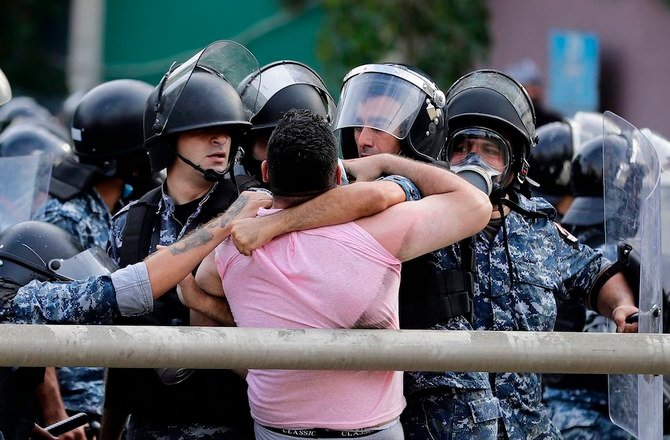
(408,350)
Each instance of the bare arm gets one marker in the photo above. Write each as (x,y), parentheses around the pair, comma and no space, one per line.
(206,310)
(51,404)
(617,301)
(339,205)
(208,277)
(451,210)
(169,266)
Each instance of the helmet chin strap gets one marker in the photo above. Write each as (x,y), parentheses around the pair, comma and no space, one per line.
(210,174)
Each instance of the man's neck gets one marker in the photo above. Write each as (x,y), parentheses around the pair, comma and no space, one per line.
(110,191)
(186,185)
(283,202)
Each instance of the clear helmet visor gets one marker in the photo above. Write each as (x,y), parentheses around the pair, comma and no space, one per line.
(257,89)
(91,262)
(489,147)
(379,101)
(226,59)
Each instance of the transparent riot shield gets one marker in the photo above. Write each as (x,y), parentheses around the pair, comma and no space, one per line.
(24,187)
(632,216)
(225,58)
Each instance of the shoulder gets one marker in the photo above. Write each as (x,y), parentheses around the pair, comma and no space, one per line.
(537,205)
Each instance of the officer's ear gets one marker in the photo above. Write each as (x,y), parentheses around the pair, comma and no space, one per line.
(338,176)
(264,171)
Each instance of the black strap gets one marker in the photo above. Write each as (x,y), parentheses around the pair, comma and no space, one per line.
(323,432)
(245,181)
(620,265)
(136,237)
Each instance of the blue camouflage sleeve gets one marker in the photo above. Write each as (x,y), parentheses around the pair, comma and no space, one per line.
(579,266)
(116,234)
(91,301)
(411,191)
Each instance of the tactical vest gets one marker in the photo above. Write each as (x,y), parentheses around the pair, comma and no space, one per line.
(207,396)
(430,295)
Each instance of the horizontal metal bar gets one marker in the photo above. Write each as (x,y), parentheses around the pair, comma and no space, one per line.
(426,350)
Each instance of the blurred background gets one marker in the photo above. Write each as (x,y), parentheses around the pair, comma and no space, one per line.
(590,55)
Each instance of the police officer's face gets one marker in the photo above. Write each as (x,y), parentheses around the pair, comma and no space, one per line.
(207,147)
(370,140)
(489,151)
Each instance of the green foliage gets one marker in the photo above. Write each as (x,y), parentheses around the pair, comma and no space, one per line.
(444,38)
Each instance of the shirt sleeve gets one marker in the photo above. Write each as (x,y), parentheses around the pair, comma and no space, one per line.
(133,290)
(411,191)
(579,267)
(90,301)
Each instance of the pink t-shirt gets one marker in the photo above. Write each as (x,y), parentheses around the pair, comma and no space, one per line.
(334,277)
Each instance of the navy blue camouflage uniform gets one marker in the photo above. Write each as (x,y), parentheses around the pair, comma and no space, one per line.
(88,219)
(445,405)
(578,402)
(527,265)
(210,403)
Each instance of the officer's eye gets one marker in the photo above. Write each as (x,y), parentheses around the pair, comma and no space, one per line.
(491,150)
(462,148)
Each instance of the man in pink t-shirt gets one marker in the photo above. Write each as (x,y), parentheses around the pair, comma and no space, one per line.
(341,276)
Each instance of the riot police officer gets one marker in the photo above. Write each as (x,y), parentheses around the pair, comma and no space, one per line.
(390,108)
(46,277)
(524,259)
(85,191)
(193,124)
(272,91)
(551,159)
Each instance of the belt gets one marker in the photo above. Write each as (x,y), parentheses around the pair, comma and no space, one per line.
(323,432)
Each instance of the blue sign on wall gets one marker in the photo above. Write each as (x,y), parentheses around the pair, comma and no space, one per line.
(573,72)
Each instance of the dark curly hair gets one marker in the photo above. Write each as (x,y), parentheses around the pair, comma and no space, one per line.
(301,155)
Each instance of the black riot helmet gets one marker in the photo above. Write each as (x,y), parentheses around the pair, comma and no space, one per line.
(414,115)
(277,88)
(23,138)
(27,248)
(587,178)
(200,93)
(551,160)
(22,107)
(107,125)
(493,102)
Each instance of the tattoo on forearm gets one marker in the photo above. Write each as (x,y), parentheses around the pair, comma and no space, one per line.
(197,238)
(201,235)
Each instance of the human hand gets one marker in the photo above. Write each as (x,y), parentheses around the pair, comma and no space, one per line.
(364,169)
(248,203)
(251,233)
(40,433)
(619,316)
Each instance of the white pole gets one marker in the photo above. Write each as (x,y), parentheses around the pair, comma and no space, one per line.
(219,347)
(85,45)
